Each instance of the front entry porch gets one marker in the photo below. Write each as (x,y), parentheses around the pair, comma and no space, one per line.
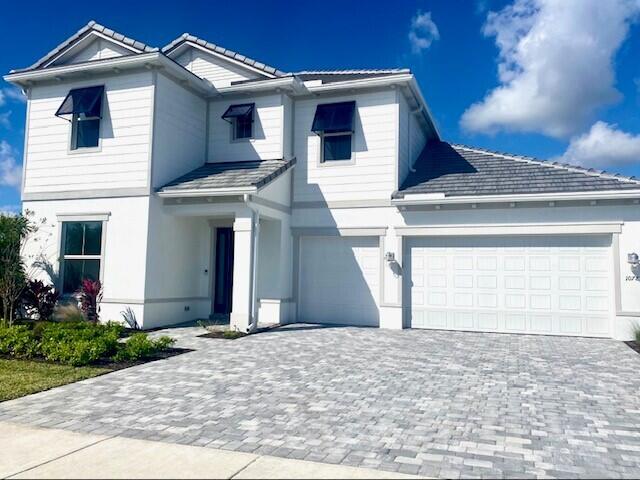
(249,259)
(244,235)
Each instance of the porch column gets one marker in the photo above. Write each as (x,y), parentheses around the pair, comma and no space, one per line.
(244,259)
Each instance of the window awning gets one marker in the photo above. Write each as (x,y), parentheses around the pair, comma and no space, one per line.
(82,101)
(244,110)
(334,117)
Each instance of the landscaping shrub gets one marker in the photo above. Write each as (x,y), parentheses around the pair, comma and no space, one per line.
(18,341)
(79,343)
(90,296)
(139,346)
(40,299)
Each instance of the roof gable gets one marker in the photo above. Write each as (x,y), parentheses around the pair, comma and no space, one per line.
(225,57)
(91,42)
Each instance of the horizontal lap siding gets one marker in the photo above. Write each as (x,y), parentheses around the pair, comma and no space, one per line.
(372,175)
(267,130)
(180,131)
(219,72)
(412,140)
(122,160)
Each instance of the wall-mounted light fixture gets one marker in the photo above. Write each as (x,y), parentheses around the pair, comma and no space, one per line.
(633,259)
(390,257)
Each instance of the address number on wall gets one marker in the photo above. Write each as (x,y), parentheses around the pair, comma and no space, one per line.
(632,278)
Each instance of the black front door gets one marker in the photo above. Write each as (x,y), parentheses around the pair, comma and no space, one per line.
(224,271)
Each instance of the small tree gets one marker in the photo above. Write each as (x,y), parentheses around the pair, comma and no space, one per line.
(90,295)
(14,232)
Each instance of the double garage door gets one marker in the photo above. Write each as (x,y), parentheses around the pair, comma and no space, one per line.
(524,284)
(535,284)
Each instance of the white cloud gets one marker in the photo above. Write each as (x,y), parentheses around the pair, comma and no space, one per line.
(555,65)
(4,119)
(2,100)
(423,32)
(15,94)
(10,170)
(603,146)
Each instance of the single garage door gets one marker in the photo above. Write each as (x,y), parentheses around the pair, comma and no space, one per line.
(559,285)
(339,280)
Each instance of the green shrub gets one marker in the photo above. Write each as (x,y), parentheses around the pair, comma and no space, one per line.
(79,343)
(636,332)
(18,341)
(139,346)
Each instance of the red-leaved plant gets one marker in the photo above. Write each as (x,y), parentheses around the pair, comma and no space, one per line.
(90,295)
(40,299)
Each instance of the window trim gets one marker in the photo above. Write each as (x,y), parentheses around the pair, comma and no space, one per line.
(62,219)
(350,161)
(72,129)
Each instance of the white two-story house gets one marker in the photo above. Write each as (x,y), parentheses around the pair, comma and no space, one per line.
(194,181)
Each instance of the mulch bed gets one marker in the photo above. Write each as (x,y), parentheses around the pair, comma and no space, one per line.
(220,334)
(110,364)
(634,346)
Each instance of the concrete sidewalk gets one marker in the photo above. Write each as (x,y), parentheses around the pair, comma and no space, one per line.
(30,452)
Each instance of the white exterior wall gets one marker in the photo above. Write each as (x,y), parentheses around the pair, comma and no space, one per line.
(178,267)
(179,138)
(479,220)
(98,49)
(371,175)
(267,140)
(413,139)
(121,160)
(124,250)
(218,71)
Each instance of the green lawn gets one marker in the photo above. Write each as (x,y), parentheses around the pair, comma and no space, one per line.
(22,377)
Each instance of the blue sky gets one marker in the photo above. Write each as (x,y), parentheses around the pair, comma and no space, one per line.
(554,79)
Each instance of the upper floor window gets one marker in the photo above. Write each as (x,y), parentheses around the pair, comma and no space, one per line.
(84,107)
(81,253)
(333,122)
(241,119)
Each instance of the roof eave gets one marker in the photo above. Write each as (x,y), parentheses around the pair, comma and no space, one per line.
(148,60)
(283,83)
(206,192)
(442,199)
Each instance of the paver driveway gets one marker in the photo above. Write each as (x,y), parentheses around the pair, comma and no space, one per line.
(429,402)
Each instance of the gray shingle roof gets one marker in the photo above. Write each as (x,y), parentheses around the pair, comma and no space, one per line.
(230,175)
(186,37)
(457,170)
(84,31)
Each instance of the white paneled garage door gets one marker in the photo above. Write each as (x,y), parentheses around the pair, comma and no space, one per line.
(339,280)
(519,284)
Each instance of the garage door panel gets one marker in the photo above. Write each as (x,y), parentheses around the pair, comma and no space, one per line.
(339,280)
(544,285)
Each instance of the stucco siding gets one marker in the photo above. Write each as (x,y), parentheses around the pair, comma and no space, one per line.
(124,249)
